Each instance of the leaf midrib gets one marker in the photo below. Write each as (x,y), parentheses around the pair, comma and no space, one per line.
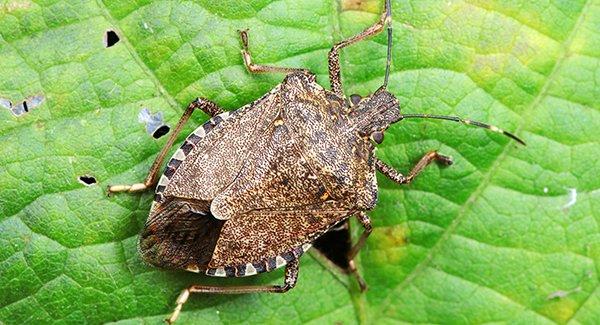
(488,177)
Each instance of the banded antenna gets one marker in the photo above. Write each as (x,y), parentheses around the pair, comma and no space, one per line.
(466,122)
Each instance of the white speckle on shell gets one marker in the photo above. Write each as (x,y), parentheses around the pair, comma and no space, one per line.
(163,181)
(179,155)
(193,268)
(279,261)
(250,270)
(220,272)
(200,132)
(306,247)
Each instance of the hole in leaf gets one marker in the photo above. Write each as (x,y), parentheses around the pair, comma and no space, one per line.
(6,103)
(87,180)
(111,38)
(155,125)
(162,130)
(22,107)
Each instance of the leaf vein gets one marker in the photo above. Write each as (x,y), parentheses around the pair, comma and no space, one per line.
(470,201)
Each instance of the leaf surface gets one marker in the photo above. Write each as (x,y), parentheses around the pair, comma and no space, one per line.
(506,234)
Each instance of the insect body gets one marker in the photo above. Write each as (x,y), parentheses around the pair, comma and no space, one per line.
(300,170)
(250,190)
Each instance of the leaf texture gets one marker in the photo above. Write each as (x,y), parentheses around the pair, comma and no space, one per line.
(500,236)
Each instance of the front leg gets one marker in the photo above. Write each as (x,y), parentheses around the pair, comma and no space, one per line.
(397,177)
(364,220)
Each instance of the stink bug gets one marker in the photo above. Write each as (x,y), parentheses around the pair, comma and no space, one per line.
(250,190)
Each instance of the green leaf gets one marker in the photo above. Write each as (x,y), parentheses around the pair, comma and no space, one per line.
(497,237)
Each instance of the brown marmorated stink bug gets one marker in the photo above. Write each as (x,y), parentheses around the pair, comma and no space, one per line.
(250,190)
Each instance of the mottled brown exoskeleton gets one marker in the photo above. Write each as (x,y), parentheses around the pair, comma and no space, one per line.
(250,190)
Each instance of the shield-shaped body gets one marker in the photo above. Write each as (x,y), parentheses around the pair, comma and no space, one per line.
(249,190)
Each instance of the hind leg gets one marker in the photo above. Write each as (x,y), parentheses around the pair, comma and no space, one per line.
(333,250)
(291,277)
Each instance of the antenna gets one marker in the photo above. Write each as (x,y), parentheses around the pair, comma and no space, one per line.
(388,20)
(466,122)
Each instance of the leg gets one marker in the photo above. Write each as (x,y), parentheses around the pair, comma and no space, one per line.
(335,77)
(291,277)
(209,107)
(363,218)
(205,105)
(362,284)
(332,250)
(254,68)
(397,177)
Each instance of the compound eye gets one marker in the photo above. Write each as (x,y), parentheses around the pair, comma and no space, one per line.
(377,136)
(355,99)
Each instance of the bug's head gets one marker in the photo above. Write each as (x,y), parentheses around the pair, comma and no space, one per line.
(372,115)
